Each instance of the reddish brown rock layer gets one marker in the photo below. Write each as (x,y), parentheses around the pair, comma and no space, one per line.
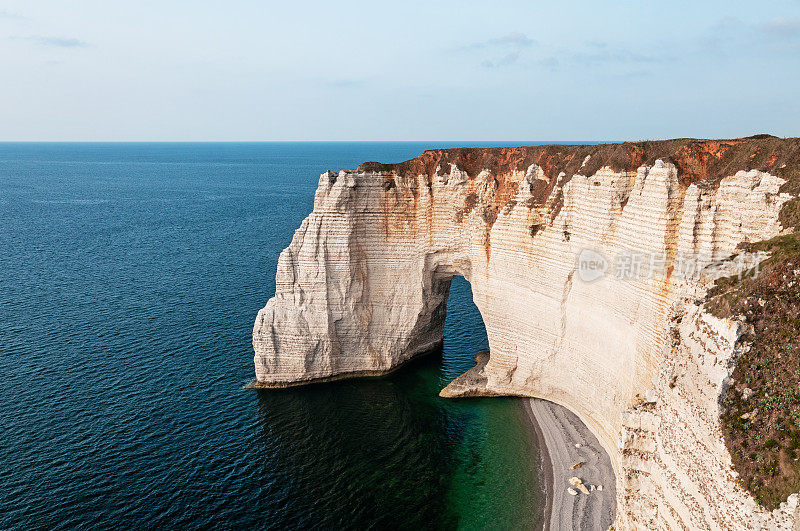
(704,162)
(696,160)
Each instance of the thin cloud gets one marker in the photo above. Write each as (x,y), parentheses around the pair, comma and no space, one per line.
(505,50)
(599,53)
(345,83)
(505,60)
(606,56)
(53,42)
(511,40)
(511,48)
(10,14)
(732,37)
(722,34)
(59,42)
(781,27)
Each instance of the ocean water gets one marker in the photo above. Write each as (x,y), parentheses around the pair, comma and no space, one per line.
(130,277)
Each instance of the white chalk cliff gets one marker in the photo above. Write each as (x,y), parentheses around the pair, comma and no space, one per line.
(363,287)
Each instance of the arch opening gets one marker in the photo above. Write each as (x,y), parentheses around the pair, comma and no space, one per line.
(465,338)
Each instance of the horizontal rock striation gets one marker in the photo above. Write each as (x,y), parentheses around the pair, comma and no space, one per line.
(578,258)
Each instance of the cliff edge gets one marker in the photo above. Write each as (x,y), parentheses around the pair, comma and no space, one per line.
(589,265)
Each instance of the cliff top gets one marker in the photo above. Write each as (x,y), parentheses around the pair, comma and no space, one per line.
(696,159)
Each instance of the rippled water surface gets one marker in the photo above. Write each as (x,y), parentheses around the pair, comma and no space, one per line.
(130,277)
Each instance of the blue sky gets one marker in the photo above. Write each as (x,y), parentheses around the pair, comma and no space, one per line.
(411,70)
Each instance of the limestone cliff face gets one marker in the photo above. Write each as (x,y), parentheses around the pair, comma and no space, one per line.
(363,286)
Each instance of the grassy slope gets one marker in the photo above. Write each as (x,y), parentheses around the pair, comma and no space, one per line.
(762,431)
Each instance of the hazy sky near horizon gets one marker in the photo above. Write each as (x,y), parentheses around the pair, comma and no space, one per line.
(412,70)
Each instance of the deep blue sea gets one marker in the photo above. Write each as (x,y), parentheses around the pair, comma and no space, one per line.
(130,277)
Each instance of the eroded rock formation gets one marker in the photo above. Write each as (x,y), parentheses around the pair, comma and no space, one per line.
(363,287)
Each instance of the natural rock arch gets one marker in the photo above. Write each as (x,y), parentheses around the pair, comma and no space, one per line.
(362,287)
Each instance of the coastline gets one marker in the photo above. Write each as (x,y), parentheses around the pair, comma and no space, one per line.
(544,456)
(557,431)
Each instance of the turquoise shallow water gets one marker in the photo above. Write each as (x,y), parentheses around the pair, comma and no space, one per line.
(130,276)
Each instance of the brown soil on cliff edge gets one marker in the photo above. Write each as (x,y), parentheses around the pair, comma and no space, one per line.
(761,411)
(696,160)
(704,162)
